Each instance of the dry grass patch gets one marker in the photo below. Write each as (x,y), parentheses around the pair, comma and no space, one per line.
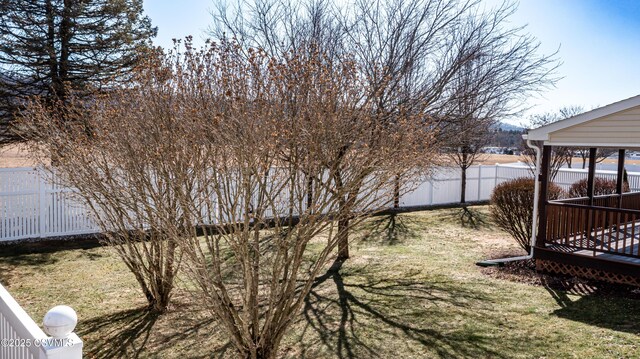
(410,290)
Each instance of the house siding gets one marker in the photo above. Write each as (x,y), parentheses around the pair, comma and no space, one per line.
(618,128)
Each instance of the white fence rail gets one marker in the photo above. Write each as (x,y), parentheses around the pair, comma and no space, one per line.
(32,207)
(21,338)
(444,186)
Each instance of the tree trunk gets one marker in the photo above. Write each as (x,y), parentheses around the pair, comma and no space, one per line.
(253,350)
(154,303)
(309,193)
(51,46)
(166,286)
(463,185)
(464,164)
(343,221)
(396,192)
(261,353)
(157,286)
(343,239)
(65,39)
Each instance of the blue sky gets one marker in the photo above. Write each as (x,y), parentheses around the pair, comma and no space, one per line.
(598,42)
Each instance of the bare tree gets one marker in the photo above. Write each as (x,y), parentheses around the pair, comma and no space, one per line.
(211,169)
(583,153)
(126,155)
(410,52)
(322,108)
(466,146)
(502,70)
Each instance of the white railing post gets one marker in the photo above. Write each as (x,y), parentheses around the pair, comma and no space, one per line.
(59,323)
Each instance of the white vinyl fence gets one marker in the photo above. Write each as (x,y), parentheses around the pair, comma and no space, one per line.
(444,186)
(32,207)
(21,338)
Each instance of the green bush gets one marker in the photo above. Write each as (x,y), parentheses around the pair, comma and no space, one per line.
(601,186)
(512,207)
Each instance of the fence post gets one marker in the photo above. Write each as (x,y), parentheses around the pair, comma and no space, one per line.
(41,204)
(495,178)
(479,181)
(59,323)
(430,191)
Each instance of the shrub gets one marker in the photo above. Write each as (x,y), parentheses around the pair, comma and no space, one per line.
(512,207)
(602,186)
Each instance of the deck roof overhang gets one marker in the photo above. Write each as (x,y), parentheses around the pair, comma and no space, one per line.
(615,126)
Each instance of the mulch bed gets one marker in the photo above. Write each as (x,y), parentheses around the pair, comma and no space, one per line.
(524,271)
(49,244)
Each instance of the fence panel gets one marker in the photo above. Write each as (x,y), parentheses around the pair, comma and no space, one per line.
(421,195)
(17,325)
(19,203)
(32,206)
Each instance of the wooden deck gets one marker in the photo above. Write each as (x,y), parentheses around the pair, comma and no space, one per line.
(592,254)
(609,255)
(596,236)
(620,244)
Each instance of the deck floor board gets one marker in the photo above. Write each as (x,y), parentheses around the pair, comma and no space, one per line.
(608,256)
(623,241)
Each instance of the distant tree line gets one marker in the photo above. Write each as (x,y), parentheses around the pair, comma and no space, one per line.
(507,139)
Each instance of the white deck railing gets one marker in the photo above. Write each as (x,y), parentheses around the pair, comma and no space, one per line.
(21,338)
(32,207)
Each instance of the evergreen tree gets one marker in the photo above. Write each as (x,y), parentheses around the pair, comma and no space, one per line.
(48,47)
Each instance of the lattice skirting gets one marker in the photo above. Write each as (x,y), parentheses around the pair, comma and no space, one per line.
(572,270)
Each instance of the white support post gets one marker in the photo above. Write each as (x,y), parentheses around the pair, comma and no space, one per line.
(479,181)
(430,191)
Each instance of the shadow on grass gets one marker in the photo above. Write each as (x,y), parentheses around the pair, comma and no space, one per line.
(610,306)
(473,218)
(122,334)
(126,334)
(49,245)
(13,259)
(10,263)
(359,320)
(37,259)
(390,229)
(466,216)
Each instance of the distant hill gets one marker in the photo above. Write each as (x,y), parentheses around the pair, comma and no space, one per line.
(509,127)
(507,136)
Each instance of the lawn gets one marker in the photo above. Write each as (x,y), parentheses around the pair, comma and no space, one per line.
(410,290)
